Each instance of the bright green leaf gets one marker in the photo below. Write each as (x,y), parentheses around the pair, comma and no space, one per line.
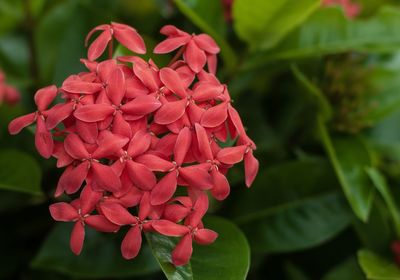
(227,258)
(377,268)
(100,258)
(376,34)
(349,156)
(263,24)
(19,172)
(347,270)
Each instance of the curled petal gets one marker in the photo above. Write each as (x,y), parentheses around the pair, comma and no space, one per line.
(117,214)
(132,242)
(116,86)
(88,131)
(194,57)
(105,177)
(81,87)
(170,30)
(175,212)
(43,139)
(172,81)
(205,236)
(250,167)
(141,105)
(45,96)
(63,212)
(200,208)
(58,114)
(170,112)
(203,141)
(182,145)
(196,177)
(221,187)
(109,145)
(19,123)
(94,112)
(164,189)
(206,43)
(72,178)
(207,91)
(100,223)
(141,176)
(231,155)
(169,228)
(98,46)
(183,251)
(215,116)
(171,44)
(155,163)
(145,207)
(129,37)
(212,62)
(77,238)
(75,147)
(89,198)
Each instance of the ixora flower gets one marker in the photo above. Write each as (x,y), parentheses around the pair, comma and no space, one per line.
(351,9)
(8,94)
(130,133)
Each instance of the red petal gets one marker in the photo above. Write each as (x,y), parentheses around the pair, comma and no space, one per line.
(43,139)
(221,187)
(89,199)
(164,189)
(77,238)
(175,212)
(196,177)
(117,214)
(121,126)
(141,105)
(16,125)
(182,145)
(105,177)
(144,206)
(45,96)
(205,236)
(207,91)
(212,62)
(170,112)
(169,228)
(132,242)
(204,142)
(58,114)
(139,144)
(98,46)
(171,44)
(200,208)
(109,145)
(75,147)
(129,37)
(206,43)
(170,30)
(116,86)
(141,176)
(172,81)
(80,87)
(87,131)
(237,122)
(100,223)
(194,57)
(215,116)
(183,251)
(231,155)
(72,178)
(94,112)
(251,166)
(63,212)
(155,163)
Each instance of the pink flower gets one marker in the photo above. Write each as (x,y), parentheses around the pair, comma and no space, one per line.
(129,134)
(8,94)
(351,9)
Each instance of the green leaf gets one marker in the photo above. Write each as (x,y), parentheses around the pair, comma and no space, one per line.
(287,211)
(199,12)
(100,258)
(11,14)
(19,172)
(349,156)
(311,39)
(347,270)
(263,24)
(323,105)
(377,268)
(381,185)
(227,258)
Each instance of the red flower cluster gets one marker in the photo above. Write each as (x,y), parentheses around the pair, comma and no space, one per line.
(129,133)
(8,94)
(351,9)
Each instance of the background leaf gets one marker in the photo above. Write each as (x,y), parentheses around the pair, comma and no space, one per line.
(376,267)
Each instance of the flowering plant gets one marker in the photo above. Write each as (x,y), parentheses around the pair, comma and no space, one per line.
(128,133)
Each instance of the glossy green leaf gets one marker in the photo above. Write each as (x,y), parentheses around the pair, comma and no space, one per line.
(227,258)
(199,12)
(347,270)
(349,157)
(289,209)
(376,34)
(100,258)
(376,267)
(262,24)
(19,172)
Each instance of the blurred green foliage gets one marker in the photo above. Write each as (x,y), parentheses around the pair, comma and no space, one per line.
(319,94)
